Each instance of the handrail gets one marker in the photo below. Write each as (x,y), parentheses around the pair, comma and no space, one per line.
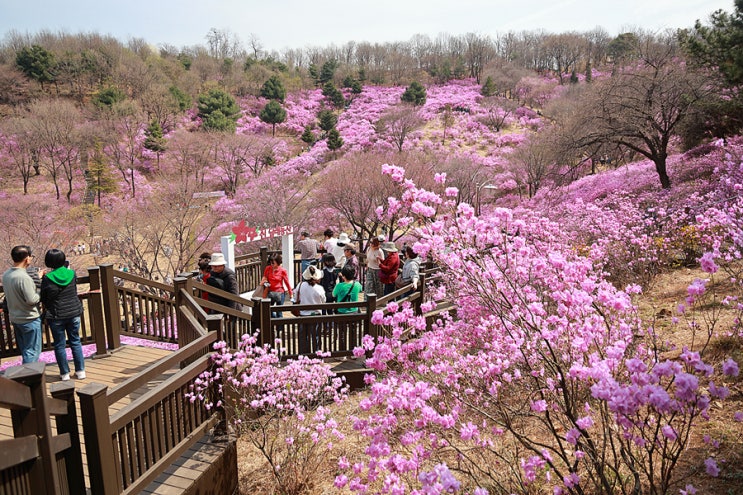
(146,401)
(160,366)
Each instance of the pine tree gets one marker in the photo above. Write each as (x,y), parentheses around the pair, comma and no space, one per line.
(273,113)
(154,140)
(100,175)
(218,111)
(273,89)
(327,120)
(415,94)
(489,88)
(335,141)
(308,136)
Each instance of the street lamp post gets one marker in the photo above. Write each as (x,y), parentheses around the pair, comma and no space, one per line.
(478,195)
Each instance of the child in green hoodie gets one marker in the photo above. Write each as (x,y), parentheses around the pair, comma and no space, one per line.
(62,310)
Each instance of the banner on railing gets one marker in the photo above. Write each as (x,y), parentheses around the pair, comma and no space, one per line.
(244,233)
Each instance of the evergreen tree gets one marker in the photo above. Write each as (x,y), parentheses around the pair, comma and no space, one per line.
(308,136)
(356,88)
(362,75)
(573,77)
(314,74)
(273,89)
(100,177)
(327,72)
(182,100)
(36,63)
(415,94)
(489,88)
(108,96)
(335,141)
(589,72)
(273,113)
(348,81)
(154,140)
(218,111)
(327,119)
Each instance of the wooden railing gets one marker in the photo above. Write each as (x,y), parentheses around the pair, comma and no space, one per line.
(36,461)
(129,449)
(91,320)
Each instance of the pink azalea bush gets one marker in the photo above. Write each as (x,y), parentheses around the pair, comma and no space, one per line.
(282,410)
(545,379)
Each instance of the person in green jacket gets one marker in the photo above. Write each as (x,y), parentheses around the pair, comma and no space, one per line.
(347,290)
(62,310)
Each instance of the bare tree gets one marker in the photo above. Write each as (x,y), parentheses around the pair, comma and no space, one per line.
(398,124)
(54,124)
(641,107)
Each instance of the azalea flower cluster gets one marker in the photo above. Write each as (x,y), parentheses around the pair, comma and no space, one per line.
(529,383)
(281,407)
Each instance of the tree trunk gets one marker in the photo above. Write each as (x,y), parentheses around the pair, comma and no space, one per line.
(660,167)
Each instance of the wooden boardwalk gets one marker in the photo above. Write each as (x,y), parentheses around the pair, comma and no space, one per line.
(111,371)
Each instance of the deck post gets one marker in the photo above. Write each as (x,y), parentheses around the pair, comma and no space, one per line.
(422,290)
(263,252)
(65,391)
(44,475)
(111,308)
(95,309)
(371,306)
(103,470)
(262,320)
(178,284)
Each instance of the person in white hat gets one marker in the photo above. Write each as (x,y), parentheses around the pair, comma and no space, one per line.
(340,257)
(309,291)
(222,278)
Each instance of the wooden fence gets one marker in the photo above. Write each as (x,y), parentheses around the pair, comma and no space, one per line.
(128,450)
(36,461)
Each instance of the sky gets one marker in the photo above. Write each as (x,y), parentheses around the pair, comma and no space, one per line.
(281,24)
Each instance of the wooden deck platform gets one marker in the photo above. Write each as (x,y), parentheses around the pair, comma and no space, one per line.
(111,371)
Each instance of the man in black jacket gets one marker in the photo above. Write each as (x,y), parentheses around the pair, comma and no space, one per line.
(222,278)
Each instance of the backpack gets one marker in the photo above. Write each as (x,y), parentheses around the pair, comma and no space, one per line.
(329,279)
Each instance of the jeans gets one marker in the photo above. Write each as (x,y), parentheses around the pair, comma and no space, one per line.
(28,337)
(69,327)
(277,298)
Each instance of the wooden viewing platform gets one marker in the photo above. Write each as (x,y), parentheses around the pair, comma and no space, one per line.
(130,427)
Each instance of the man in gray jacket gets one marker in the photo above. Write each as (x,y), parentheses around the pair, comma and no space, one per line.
(22,298)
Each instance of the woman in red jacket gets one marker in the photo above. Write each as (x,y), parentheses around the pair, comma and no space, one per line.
(278,282)
(389,267)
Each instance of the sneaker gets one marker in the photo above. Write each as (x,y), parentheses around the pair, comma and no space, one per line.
(64,377)
(80,375)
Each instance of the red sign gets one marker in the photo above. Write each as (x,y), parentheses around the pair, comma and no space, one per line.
(243,233)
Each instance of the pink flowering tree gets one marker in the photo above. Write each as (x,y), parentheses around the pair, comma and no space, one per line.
(281,408)
(541,381)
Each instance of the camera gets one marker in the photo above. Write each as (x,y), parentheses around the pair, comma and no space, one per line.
(266,284)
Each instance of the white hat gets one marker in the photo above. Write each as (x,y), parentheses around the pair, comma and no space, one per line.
(217,259)
(389,246)
(312,273)
(343,239)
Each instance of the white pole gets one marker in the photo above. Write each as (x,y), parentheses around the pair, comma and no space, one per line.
(228,250)
(287,253)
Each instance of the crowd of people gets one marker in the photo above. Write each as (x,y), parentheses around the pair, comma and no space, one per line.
(329,274)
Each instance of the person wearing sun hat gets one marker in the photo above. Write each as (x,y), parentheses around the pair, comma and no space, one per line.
(389,267)
(221,277)
(309,291)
